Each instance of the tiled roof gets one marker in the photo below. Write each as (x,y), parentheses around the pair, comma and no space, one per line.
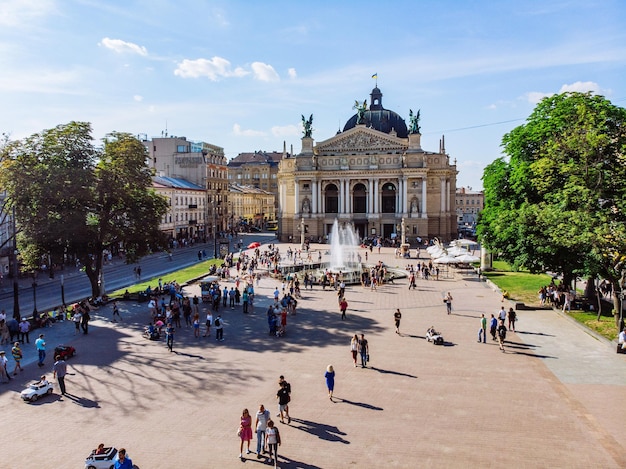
(258,157)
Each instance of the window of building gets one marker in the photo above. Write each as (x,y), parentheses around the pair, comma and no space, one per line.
(181,148)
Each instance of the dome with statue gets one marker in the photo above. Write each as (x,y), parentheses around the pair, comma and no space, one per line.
(377,117)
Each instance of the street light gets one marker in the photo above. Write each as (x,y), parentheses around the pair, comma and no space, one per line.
(16,286)
(34,294)
(62,290)
(215,230)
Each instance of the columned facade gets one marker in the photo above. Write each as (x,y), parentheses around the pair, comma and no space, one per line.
(374,174)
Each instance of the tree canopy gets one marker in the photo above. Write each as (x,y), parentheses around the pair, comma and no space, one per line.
(557,201)
(74,199)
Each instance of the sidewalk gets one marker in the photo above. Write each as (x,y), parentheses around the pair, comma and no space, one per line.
(556,398)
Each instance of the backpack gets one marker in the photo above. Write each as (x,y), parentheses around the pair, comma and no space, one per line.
(502,332)
(217,322)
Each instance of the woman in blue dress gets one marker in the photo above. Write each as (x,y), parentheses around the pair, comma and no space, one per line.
(330,380)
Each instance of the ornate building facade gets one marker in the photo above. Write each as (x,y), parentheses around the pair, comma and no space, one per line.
(373,174)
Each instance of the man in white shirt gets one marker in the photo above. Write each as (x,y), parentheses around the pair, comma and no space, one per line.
(621,340)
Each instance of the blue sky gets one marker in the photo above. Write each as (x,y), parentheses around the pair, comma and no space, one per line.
(239,74)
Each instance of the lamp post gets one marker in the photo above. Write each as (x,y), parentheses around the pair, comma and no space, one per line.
(34,294)
(215,232)
(16,286)
(62,290)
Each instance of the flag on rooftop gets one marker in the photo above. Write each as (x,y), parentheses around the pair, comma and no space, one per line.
(375,76)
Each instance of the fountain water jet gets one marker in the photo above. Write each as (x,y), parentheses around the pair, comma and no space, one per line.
(344,244)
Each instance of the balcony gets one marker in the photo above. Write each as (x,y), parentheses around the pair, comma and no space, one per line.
(193,222)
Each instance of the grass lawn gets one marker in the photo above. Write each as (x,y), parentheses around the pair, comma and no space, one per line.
(523,286)
(180,276)
(605,326)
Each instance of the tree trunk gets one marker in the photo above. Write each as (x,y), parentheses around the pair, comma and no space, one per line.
(93,267)
(617,303)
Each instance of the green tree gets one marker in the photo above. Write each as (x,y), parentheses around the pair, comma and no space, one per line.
(73,199)
(558,201)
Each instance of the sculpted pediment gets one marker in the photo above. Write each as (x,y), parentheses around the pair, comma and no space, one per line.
(360,139)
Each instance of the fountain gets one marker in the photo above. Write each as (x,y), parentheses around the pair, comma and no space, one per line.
(344,256)
(344,244)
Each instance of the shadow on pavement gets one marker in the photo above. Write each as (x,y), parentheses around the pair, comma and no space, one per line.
(535,333)
(322,431)
(397,373)
(358,404)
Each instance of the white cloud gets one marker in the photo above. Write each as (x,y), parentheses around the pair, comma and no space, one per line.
(247,133)
(121,47)
(292,73)
(534,97)
(213,69)
(264,72)
(286,130)
(23,12)
(138,98)
(581,86)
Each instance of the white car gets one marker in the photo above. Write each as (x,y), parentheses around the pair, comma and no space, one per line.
(35,390)
(104,460)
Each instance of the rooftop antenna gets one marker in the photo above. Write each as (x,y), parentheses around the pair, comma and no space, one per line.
(166,128)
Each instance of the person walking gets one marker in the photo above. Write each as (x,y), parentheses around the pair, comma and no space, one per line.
(59,370)
(397,316)
(219,328)
(343,306)
(448,301)
(283,402)
(354,348)
(209,323)
(16,352)
(196,325)
(24,330)
(77,319)
(169,335)
(493,326)
(483,329)
(4,372)
(40,344)
(364,351)
(330,380)
(84,323)
(245,431)
(116,311)
(260,424)
(272,442)
(501,334)
(512,318)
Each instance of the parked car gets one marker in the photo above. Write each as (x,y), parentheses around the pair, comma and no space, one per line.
(36,390)
(64,351)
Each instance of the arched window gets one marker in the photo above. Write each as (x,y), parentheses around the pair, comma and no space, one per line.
(388,198)
(359,199)
(331,199)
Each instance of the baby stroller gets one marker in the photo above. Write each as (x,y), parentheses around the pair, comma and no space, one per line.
(433,336)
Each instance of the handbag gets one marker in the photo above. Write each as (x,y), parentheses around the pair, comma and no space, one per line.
(239,430)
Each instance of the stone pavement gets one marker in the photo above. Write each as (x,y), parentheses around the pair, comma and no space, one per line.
(556,398)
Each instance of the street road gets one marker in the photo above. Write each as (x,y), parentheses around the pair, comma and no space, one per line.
(116,275)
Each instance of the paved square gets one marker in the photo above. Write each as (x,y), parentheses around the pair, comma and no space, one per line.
(556,398)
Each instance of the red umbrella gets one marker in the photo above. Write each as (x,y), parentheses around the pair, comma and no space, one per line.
(254,245)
